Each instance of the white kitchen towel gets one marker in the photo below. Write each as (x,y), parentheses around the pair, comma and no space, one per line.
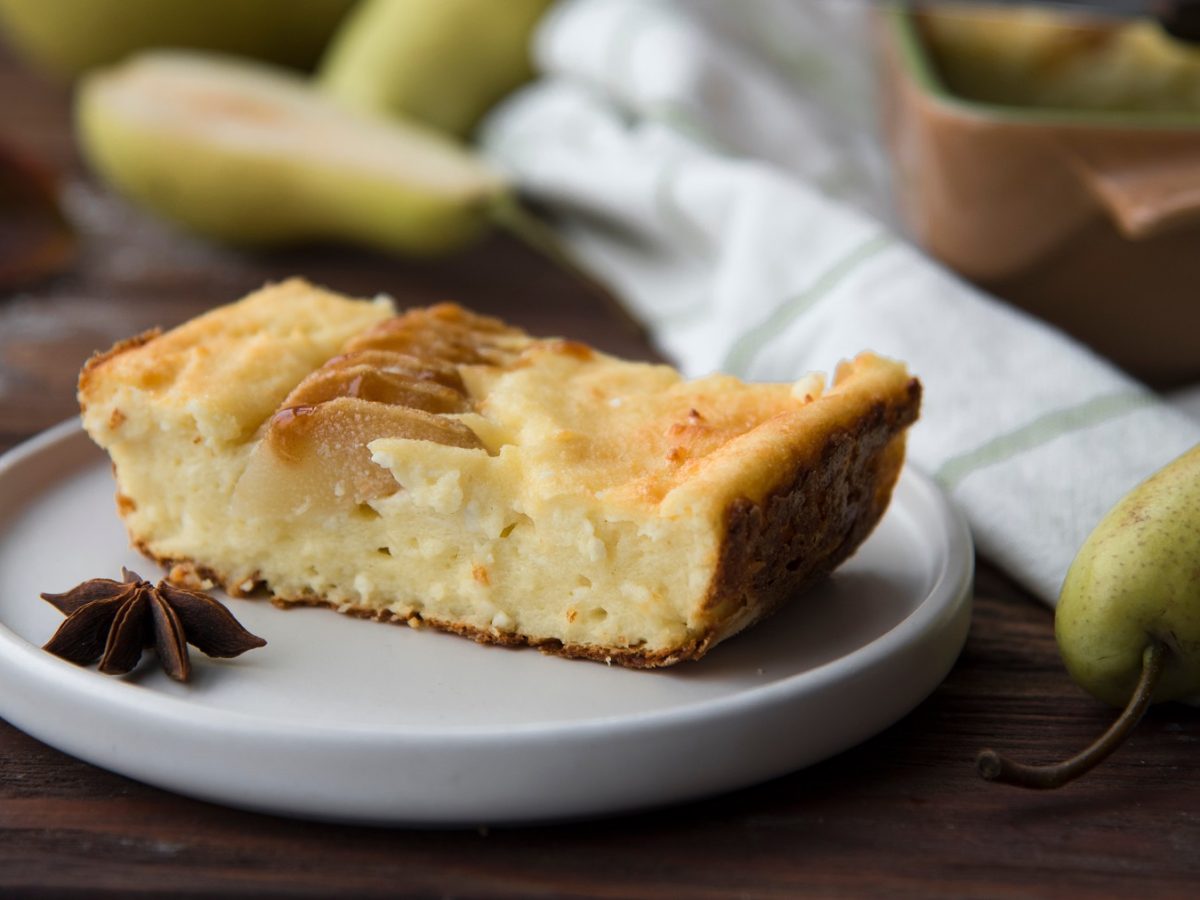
(715,164)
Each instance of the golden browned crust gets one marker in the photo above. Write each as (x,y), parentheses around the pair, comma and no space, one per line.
(820,511)
(100,357)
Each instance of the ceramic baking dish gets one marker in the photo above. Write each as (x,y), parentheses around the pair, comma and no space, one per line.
(1090,220)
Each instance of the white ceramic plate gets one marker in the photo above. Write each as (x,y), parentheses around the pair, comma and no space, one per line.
(344,719)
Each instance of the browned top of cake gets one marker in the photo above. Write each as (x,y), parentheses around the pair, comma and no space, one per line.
(332,376)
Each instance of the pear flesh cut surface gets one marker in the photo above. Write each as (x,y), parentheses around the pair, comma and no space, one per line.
(1136,580)
(249,153)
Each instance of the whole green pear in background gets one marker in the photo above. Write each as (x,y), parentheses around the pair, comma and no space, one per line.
(1136,580)
(249,153)
(70,36)
(441,62)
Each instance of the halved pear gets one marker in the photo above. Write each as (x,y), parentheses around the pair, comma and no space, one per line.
(249,153)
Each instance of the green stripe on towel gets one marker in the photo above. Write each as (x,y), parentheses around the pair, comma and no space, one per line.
(751,343)
(671,211)
(1041,431)
(684,119)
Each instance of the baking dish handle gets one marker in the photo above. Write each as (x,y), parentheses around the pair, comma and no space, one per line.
(1147,184)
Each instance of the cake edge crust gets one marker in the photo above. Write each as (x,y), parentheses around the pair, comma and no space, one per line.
(814,519)
(102,357)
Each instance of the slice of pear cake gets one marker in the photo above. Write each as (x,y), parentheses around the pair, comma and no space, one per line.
(441,467)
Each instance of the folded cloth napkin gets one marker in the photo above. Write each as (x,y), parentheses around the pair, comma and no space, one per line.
(715,164)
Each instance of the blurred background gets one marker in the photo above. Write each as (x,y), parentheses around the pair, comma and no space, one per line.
(1047,152)
(162,157)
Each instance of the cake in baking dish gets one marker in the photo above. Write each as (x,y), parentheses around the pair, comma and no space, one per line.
(443,468)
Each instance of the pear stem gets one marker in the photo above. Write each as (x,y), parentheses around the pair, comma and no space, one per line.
(994,766)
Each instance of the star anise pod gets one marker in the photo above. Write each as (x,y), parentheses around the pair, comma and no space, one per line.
(113,621)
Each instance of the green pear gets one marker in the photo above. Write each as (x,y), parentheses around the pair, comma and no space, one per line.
(1136,581)
(70,36)
(1128,617)
(248,153)
(442,62)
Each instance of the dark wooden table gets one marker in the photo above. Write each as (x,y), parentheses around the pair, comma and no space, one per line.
(903,814)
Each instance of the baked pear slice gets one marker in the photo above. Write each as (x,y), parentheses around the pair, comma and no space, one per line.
(251,154)
(442,468)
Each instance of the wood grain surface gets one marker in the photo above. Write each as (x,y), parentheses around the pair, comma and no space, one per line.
(901,815)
